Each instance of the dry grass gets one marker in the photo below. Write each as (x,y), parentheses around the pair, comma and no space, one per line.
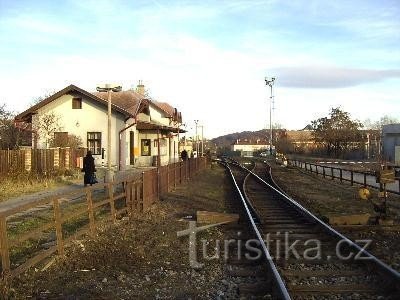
(23,185)
(141,258)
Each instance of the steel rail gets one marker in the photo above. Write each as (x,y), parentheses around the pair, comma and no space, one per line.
(382,266)
(251,207)
(279,284)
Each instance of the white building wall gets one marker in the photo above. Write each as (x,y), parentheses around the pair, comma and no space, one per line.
(91,118)
(249,147)
(159,116)
(168,155)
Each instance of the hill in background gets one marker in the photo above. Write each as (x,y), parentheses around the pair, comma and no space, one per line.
(229,139)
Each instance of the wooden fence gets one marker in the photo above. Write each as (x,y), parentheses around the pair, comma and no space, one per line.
(100,202)
(40,161)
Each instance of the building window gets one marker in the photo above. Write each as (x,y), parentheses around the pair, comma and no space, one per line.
(94,142)
(145,147)
(76,103)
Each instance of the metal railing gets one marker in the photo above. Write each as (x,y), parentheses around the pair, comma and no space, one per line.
(339,173)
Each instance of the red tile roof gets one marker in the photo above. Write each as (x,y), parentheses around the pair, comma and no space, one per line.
(128,100)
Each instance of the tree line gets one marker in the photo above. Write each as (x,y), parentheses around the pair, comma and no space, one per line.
(338,133)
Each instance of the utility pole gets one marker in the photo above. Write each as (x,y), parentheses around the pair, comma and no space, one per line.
(202,141)
(109,88)
(270,83)
(197,144)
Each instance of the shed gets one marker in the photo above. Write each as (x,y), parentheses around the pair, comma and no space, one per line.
(391,142)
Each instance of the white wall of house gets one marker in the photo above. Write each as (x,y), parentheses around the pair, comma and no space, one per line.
(250,148)
(159,116)
(92,117)
(169,152)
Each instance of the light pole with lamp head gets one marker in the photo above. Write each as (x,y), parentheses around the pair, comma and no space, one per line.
(197,144)
(270,83)
(109,88)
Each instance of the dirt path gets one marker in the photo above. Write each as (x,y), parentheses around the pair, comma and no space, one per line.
(141,258)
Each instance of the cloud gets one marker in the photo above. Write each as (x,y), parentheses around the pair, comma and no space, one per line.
(330,77)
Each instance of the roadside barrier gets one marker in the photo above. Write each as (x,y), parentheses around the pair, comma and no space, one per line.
(368,178)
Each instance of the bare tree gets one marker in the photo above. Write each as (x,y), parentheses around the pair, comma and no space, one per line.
(70,140)
(337,132)
(10,136)
(377,125)
(38,99)
(46,125)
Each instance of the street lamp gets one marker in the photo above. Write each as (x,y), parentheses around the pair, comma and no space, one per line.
(197,146)
(202,139)
(270,83)
(109,88)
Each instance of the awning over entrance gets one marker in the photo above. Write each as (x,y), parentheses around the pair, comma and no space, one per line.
(157,126)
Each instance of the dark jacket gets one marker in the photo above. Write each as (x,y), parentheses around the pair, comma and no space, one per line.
(89,169)
(88,165)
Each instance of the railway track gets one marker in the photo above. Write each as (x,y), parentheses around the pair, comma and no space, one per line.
(302,257)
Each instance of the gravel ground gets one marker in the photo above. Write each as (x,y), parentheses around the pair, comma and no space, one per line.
(325,197)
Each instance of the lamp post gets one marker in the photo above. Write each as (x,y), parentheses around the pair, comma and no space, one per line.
(270,83)
(109,88)
(202,139)
(197,145)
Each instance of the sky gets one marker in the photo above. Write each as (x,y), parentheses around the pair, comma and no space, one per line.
(210,58)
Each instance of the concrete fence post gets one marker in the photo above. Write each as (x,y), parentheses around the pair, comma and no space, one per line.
(56,157)
(67,160)
(28,159)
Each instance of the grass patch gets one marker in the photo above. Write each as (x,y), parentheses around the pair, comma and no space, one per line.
(12,187)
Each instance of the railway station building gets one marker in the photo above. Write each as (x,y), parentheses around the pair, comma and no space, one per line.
(144,132)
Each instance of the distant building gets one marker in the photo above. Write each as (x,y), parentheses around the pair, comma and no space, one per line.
(391,143)
(248,147)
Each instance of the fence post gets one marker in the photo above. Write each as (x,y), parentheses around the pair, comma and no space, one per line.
(341,175)
(111,199)
(89,200)
(5,251)
(175,164)
(58,225)
(323,171)
(28,159)
(56,162)
(67,160)
(128,198)
(143,194)
(332,173)
(351,177)
(180,172)
(167,178)
(365,179)
(316,169)
(158,184)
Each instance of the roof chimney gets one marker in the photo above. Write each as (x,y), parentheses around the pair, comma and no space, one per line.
(140,88)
